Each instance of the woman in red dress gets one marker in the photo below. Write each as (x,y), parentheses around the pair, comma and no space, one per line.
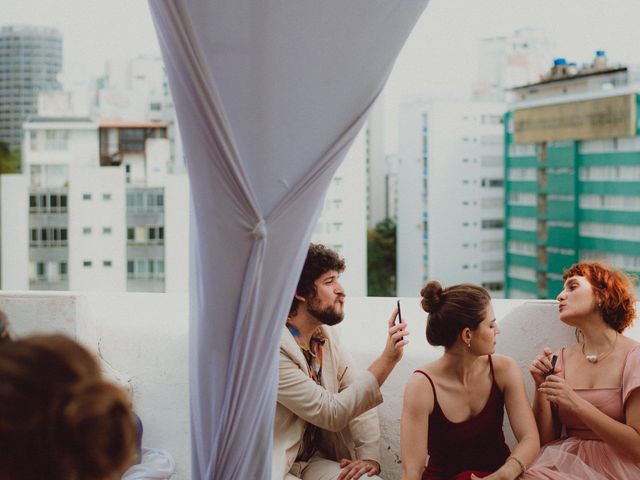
(454,407)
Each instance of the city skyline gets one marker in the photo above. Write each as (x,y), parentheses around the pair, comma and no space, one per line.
(96,31)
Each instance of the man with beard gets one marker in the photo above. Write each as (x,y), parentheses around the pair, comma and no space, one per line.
(325,426)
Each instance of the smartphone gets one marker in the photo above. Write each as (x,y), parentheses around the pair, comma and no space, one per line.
(399,317)
(554,359)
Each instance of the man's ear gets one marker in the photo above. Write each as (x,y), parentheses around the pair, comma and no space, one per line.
(300,298)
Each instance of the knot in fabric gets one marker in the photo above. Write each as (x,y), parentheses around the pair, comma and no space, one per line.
(260,230)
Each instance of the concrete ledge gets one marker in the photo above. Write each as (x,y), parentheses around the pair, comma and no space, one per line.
(141,340)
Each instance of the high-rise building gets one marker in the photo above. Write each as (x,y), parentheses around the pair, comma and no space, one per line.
(572,177)
(377,166)
(138,89)
(507,61)
(342,224)
(95,209)
(450,196)
(30,62)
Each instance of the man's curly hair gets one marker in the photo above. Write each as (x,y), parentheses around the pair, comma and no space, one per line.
(320,260)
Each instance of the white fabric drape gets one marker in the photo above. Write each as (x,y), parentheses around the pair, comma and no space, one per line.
(269,95)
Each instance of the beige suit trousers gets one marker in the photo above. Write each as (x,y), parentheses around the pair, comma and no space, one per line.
(319,468)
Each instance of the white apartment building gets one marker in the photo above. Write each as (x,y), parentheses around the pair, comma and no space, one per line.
(138,89)
(342,225)
(95,209)
(450,195)
(508,61)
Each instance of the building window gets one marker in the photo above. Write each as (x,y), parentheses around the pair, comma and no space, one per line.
(106,196)
(131,234)
(493,286)
(63,202)
(106,230)
(492,265)
(40,269)
(86,230)
(62,270)
(130,268)
(86,196)
(63,235)
(106,263)
(492,223)
(132,139)
(160,233)
(87,263)
(34,236)
(152,233)
(492,182)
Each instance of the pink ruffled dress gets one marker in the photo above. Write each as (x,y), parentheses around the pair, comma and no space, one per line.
(581,455)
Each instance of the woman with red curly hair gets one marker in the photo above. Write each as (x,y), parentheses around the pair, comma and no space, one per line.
(593,392)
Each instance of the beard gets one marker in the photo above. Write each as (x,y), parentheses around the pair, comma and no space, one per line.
(328,316)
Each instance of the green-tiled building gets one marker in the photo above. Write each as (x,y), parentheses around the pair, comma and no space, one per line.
(572,179)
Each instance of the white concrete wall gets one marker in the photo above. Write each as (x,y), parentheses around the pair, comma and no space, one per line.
(81,149)
(95,214)
(457,146)
(157,155)
(137,168)
(409,231)
(463,150)
(342,225)
(142,342)
(176,233)
(378,167)
(14,229)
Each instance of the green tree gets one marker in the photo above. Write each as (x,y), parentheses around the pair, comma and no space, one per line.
(381,259)
(9,159)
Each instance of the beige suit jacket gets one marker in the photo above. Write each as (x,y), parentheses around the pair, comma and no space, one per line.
(338,406)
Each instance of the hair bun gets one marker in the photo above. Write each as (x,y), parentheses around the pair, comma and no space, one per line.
(432,295)
(98,428)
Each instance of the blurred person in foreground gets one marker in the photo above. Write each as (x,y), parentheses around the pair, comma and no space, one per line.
(59,418)
(454,407)
(593,392)
(325,426)
(5,330)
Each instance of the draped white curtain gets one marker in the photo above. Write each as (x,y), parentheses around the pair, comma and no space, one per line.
(269,96)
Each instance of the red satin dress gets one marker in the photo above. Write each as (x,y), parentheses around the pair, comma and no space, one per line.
(477,445)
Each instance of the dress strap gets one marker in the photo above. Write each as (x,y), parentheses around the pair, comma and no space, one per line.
(493,375)
(433,387)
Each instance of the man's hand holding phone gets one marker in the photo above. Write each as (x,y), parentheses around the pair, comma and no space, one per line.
(396,340)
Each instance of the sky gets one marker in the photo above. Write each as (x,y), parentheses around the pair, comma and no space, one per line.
(439,57)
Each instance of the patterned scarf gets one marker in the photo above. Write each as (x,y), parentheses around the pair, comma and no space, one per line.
(313,355)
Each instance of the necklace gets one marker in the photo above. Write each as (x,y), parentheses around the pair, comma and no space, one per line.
(593,358)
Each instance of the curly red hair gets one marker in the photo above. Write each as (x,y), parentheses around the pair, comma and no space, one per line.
(613,291)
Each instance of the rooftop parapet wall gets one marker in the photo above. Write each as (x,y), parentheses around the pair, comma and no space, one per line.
(142,342)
